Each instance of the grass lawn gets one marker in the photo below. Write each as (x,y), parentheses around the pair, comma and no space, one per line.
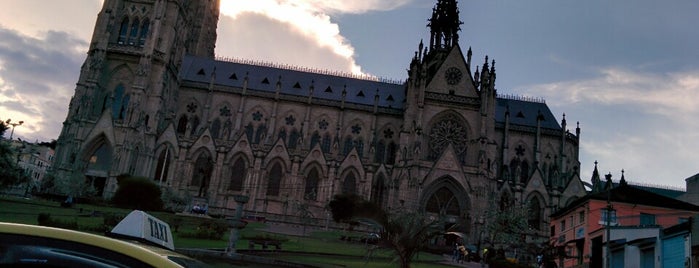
(325,247)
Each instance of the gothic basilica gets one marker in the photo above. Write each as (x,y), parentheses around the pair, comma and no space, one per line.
(152,100)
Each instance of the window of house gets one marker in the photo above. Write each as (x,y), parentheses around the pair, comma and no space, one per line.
(647,219)
(608,213)
(581,217)
(553,230)
(563,225)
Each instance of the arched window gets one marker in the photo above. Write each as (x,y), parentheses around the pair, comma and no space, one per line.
(378,190)
(238,174)
(133,36)
(274,180)
(311,191)
(248,131)
(182,125)
(195,125)
(315,139)
(359,144)
(163,167)
(123,31)
(282,134)
(293,139)
(525,172)
(348,145)
(349,186)
(202,173)
(259,134)
(144,33)
(380,152)
(101,158)
(327,141)
(534,214)
(216,128)
(391,153)
(120,104)
(443,202)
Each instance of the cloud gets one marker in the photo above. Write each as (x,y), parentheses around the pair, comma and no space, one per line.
(37,75)
(309,19)
(633,120)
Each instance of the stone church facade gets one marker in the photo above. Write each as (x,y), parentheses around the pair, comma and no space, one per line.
(153,101)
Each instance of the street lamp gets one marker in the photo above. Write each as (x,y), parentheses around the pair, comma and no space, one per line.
(9,122)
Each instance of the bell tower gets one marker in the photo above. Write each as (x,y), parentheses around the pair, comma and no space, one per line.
(127,91)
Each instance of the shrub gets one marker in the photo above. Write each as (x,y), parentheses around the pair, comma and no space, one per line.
(137,193)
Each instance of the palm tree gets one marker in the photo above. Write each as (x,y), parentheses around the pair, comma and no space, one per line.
(406,233)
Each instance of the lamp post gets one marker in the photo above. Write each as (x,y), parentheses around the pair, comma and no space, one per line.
(9,122)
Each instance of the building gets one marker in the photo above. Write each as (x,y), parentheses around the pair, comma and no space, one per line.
(642,228)
(36,160)
(152,100)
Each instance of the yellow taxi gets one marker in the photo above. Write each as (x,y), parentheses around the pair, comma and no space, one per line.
(149,245)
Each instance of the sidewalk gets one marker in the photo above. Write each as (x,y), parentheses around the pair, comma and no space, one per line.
(447,261)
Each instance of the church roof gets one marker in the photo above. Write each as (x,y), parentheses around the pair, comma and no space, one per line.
(297,83)
(524,112)
(293,82)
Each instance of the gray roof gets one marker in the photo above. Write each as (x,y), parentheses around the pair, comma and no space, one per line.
(293,82)
(328,86)
(524,113)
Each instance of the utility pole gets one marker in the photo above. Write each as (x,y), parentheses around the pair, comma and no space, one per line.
(608,219)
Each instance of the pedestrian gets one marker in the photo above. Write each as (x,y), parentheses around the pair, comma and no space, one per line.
(462,253)
(455,253)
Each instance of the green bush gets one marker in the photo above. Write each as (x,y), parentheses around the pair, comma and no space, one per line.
(137,193)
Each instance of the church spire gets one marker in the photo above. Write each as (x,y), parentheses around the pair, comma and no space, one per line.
(444,25)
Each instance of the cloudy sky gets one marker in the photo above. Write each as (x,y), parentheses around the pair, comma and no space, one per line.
(628,71)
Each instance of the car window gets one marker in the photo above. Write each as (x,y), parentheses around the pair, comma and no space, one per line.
(26,250)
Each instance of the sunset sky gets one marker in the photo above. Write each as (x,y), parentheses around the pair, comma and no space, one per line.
(628,71)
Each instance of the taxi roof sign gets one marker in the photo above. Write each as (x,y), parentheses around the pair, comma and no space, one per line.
(141,225)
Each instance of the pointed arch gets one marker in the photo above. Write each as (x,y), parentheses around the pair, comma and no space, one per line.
(144,32)
(133,34)
(239,171)
(349,182)
(293,139)
(274,178)
(378,190)
(162,168)
(327,143)
(535,211)
(182,125)
(195,125)
(123,31)
(311,184)
(315,139)
(216,128)
(98,155)
(203,168)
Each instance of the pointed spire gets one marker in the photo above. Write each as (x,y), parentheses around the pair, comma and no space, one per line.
(596,181)
(444,25)
(622,182)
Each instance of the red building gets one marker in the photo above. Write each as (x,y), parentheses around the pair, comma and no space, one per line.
(636,220)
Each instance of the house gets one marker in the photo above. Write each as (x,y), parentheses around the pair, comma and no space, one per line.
(642,228)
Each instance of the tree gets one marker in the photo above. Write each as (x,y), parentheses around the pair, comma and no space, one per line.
(507,228)
(10,173)
(137,193)
(406,233)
